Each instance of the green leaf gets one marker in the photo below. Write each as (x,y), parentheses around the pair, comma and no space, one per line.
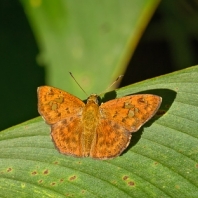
(91,39)
(161,161)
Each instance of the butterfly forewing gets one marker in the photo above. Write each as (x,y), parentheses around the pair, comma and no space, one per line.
(131,112)
(55,105)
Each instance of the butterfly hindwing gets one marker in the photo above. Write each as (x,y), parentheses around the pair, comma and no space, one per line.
(67,137)
(110,140)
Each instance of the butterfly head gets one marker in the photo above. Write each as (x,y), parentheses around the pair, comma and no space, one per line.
(93,98)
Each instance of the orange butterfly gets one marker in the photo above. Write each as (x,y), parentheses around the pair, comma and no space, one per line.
(90,130)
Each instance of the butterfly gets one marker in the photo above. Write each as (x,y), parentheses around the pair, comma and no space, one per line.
(92,130)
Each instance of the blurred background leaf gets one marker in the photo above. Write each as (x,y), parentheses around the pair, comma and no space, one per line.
(92,39)
(161,161)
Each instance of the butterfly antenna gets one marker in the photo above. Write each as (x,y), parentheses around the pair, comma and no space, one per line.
(78,83)
(118,78)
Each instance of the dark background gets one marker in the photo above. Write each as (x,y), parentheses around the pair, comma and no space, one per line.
(169,43)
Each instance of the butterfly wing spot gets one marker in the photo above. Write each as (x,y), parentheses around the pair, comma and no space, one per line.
(128,105)
(60,99)
(64,122)
(54,106)
(142,100)
(131,113)
(71,118)
(67,109)
(116,114)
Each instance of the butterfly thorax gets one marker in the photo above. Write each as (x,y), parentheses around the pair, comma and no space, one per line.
(90,117)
